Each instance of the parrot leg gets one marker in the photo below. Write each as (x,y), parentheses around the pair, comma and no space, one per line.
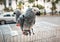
(32,31)
(29,32)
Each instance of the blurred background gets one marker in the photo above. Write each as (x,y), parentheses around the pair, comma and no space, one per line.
(47,7)
(46,28)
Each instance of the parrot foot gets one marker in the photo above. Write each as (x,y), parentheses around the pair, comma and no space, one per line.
(33,33)
(26,32)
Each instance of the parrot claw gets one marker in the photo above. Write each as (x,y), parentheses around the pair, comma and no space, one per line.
(33,33)
(25,33)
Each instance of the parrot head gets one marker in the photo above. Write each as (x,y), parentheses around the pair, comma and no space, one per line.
(36,10)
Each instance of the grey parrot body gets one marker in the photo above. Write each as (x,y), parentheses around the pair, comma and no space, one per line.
(17,12)
(27,20)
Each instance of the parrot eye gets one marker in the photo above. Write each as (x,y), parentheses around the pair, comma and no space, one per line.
(34,10)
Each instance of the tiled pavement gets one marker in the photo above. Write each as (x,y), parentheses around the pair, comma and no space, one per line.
(45,31)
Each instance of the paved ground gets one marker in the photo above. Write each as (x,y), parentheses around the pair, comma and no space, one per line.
(46,28)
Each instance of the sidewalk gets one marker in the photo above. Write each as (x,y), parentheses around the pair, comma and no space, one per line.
(44,28)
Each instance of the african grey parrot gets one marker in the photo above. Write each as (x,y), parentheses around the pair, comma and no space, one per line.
(27,20)
(17,12)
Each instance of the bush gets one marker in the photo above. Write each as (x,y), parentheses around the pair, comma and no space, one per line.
(31,1)
(7,9)
(38,6)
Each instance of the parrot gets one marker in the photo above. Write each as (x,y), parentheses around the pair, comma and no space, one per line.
(17,12)
(27,20)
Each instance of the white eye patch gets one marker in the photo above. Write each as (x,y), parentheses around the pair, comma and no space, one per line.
(34,10)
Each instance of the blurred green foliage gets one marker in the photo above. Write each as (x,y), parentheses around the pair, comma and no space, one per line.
(7,9)
(38,6)
(31,1)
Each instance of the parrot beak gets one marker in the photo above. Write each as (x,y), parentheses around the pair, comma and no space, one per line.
(18,25)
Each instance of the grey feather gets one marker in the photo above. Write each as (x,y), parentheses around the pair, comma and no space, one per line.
(27,19)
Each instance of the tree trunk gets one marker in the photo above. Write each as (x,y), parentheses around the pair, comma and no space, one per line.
(44,12)
(5,3)
(16,1)
(52,12)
